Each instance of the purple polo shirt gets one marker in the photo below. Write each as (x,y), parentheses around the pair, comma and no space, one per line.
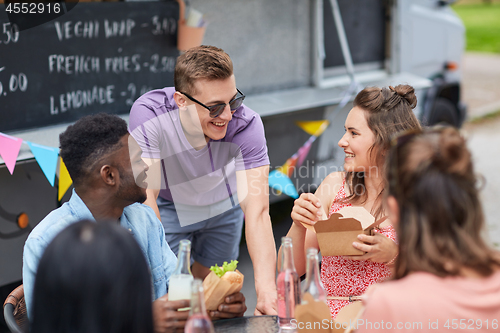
(189,176)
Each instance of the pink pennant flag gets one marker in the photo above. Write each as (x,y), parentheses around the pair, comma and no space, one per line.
(304,150)
(9,150)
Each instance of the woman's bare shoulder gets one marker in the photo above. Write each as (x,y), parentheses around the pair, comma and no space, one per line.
(329,188)
(334,179)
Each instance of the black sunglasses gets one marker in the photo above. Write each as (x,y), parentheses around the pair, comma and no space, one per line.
(216,110)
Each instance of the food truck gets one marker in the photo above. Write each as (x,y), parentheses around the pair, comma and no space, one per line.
(295,60)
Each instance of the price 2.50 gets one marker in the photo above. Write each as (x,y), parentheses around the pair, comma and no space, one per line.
(16,82)
(10,32)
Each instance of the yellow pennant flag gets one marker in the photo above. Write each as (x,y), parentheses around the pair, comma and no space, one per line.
(64,179)
(314,127)
(289,166)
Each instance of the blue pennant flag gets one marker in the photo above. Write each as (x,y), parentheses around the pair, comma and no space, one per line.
(282,183)
(47,159)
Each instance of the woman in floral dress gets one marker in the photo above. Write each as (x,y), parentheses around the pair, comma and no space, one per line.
(378,114)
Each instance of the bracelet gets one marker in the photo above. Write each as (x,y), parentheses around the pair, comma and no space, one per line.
(393,260)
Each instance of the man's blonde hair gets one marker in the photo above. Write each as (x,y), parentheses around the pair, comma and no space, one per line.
(201,62)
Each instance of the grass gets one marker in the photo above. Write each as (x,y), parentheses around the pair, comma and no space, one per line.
(468,2)
(482,23)
(483,119)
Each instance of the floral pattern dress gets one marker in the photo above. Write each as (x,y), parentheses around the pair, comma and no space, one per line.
(342,277)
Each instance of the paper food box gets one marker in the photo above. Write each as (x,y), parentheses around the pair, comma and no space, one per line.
(336,234)
(314,317)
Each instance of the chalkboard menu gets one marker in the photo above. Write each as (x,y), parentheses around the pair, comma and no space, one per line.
(98,57)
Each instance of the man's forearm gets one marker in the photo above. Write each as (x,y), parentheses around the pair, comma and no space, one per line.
(253,193)
(262,250)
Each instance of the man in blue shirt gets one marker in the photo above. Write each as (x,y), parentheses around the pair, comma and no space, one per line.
(109,176)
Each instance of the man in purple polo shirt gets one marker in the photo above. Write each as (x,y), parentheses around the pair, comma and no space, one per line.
(208,167)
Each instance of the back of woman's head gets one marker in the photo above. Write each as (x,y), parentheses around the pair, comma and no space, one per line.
(389,110)
(92,278)
(440,218)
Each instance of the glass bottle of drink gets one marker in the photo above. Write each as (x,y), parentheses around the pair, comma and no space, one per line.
(180,280)
(313,283)
(288,286)
(198,321)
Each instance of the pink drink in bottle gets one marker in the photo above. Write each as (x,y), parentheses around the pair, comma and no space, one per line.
(288,286)
(198,324)
(198,321)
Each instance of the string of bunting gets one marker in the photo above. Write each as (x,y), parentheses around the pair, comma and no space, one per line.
(46,157)
(279,178)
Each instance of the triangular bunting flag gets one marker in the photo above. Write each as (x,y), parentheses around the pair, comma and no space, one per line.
(9,149)
(47,159)
(304,150)
(280,182)
(64,180)
(289,166)
(315,127)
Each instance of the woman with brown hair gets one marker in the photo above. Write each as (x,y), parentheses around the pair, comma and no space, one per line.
(446,277)
(377,114)
(77,289)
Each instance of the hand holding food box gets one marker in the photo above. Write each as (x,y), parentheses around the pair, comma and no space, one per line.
(337,233)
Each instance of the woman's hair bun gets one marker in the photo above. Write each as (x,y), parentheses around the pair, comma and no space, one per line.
(407,92)
(453,156)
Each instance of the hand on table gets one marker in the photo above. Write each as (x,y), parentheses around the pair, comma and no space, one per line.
(378,248)
(307,209)
(267,303)
(233,306)
(166,318)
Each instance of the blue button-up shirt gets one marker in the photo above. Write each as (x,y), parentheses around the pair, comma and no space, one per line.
(139,219)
